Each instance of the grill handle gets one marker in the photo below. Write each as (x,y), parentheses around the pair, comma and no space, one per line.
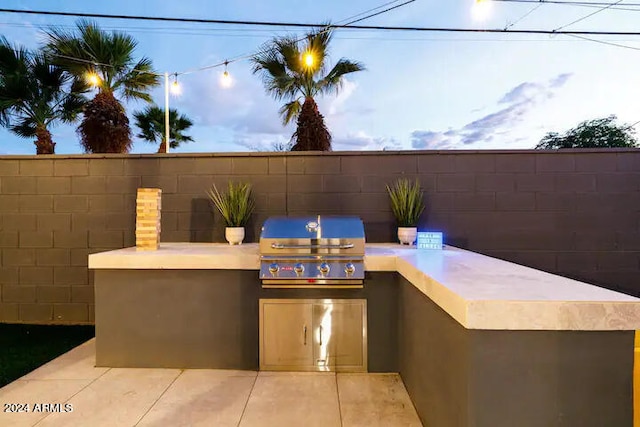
(285,246)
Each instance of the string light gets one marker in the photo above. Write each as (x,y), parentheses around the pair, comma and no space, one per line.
(92,78)
(225,80)
(176,89)
(481,9)
(308,59)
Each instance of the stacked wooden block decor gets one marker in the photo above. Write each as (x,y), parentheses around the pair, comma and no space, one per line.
(148,205)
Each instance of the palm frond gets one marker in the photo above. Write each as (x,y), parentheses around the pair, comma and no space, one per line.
(285,77)
(67,50)
(71,107)
(25,128)
(46,73)
(34,91)
(332,82)
(139,79)
(135,94)
(111,55)
(151,122)
(317,42)
(287,48)
(79,85)
(12,58)
(290,111)
(273,72)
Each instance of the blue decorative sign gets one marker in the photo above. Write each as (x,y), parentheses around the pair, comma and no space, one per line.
(429,240)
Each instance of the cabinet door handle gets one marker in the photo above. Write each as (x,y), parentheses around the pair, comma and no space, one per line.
(320,335)
(304,329)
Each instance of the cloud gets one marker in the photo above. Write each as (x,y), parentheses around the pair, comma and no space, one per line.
(242,117)
(244,107)
(429,140)
(333,105)
(522,93)
(519,102)
(257,142)
(361,141)
(560,80)
(247,118)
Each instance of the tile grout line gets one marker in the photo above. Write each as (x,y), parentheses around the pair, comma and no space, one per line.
(74,395)
(159,397)
(248,397)
(339,403)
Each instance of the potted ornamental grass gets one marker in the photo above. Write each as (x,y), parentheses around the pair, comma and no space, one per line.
(407,206)
(236,206)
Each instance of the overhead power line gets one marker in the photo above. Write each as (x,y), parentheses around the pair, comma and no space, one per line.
(568,2)
(602,9)
(533,9)
(342,27)
(624,46)
(630,7)
(342,24)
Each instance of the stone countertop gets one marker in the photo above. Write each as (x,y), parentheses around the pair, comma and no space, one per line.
(478,291)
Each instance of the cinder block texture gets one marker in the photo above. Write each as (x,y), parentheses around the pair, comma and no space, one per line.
(573,213)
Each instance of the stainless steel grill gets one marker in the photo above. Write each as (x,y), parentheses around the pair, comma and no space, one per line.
(312,252)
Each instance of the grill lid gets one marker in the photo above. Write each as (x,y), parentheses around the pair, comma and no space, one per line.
(316,251)
(313,227)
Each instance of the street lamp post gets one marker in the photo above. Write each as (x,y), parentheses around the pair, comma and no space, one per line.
(166,111)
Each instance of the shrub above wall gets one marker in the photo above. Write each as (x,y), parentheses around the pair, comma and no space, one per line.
(571,212)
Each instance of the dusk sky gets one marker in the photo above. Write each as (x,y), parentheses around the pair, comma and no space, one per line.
(421,90)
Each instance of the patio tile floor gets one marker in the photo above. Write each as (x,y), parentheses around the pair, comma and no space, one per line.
(202,397)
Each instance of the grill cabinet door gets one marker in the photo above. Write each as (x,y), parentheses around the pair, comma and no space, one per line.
(340,335)
(286,335)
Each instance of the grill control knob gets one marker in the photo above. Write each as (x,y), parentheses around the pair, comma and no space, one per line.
(299,269)
(324,269)
(349,269)
(273,269)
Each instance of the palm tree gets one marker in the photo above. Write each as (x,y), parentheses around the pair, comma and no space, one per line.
(151,123)
(33,95)
(110,59)
(293,70)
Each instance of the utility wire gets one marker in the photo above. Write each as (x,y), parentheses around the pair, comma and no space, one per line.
(368,11)
(342,27)
(624,6)
(568,3)
(589,15)
(632,125)
(522,17)
(226,62)
(604,42)
(327,28)
(260,33)
(190,20)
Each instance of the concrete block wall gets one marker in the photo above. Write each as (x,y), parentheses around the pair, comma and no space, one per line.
(575,213)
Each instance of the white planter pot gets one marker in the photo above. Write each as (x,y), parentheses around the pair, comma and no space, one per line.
(407,235)
(234,235)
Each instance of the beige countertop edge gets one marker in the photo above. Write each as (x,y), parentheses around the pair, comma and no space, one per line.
(477,314)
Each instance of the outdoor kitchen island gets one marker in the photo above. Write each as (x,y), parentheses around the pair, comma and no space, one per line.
(477,341)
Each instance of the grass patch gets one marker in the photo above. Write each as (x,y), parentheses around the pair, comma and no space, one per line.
(23,348)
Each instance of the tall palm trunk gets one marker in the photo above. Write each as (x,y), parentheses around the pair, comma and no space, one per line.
(105,127)
(44,143)
(163,146)
(312,134)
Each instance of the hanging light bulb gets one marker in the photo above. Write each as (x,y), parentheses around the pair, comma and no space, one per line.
(92,78)
(308,59)
(481,9)
(226,80)
(176,89)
